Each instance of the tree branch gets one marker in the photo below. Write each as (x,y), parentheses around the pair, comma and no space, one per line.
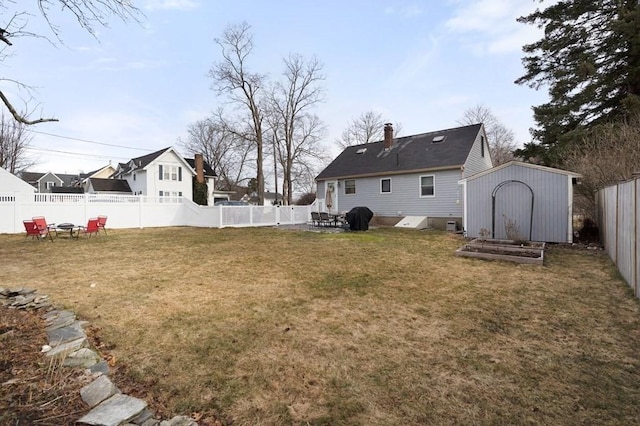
(19,118)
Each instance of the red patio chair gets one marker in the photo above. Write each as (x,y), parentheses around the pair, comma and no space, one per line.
(35,231)
(42,224)
(102,221)
(91,228)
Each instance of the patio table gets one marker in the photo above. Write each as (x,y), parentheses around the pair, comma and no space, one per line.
(69,227)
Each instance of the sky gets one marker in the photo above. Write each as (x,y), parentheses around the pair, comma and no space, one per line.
(135,87)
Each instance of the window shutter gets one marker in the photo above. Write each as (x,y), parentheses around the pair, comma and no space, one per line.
(180,194)
(160,171)
(180,174)
(160,193)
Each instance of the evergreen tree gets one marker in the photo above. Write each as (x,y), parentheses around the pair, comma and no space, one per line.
(589,58)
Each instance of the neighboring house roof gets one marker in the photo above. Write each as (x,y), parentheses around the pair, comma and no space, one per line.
(520,163)
(67,190)
(407,154)
(31,177)
(109,185)
(144,161)
(34,177)
(208,170)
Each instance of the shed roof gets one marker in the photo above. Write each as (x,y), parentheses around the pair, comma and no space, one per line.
(520,163)
(441,149)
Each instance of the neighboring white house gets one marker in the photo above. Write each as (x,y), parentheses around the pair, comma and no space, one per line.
(10,184)
(165,173)
(408,176)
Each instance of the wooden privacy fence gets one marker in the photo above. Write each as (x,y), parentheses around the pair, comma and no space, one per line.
(619,222)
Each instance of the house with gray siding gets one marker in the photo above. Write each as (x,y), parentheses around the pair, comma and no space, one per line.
(414,175)
(520,201)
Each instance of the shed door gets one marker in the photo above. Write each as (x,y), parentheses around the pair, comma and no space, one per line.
(513,202)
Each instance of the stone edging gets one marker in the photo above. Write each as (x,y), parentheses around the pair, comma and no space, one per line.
(68,343)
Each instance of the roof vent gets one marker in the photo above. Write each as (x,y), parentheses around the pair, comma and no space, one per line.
(438,139)
(361,151)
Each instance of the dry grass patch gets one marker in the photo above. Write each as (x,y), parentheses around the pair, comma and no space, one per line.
(382,327)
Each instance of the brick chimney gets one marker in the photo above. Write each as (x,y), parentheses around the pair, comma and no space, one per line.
(388,135)
(199,162)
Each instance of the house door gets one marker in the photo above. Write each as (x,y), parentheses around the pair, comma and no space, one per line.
(512,211)
(331,197)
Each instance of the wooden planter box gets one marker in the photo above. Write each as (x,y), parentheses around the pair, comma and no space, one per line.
(511,251)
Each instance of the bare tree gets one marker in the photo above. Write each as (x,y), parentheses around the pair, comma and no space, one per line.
(295,130)
(607,154)
(88,14)
(14,143)
(223,150)
(501,140)
(244,89)
(366,128)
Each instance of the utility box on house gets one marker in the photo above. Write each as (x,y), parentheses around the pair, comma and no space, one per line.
(451,226)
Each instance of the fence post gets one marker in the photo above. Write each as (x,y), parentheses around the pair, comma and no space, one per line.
(277,215)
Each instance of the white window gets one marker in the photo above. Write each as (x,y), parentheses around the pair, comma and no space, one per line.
(385,186)
(50,184)
(169,172)
(427,186)
(350,186)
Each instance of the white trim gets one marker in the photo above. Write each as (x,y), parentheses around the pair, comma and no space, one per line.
(464,208)
(390,186)
(420,186)
(520,163)
(570,209)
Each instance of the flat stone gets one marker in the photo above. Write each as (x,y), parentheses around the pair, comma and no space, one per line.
(65,334)
(114,411)
(65,348)
(179,421)
(83,357)
(151,422)
(21,300)
(98,390)
(63,319)
(101,367)
(144,415)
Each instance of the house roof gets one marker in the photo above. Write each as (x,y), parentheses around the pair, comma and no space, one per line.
(407,154)
(34,177)
(145,160)
(67,190)
(110,185)
(520,163)
(208,171)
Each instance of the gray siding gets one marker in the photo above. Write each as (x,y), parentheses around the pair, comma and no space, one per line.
(551,203)
(476,162)
(404,199)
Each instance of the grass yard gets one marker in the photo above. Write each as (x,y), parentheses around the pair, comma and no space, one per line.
(271,326)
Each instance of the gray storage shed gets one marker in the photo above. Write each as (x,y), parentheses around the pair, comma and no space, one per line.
(530,201)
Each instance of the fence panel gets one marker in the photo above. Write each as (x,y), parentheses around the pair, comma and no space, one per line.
(619,221)
(625,240)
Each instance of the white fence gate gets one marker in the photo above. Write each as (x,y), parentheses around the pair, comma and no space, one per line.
(137,211)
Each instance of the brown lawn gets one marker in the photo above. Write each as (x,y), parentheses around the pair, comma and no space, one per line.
(271,326)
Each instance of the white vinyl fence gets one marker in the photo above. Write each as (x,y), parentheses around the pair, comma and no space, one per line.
(136,211)
(619,222)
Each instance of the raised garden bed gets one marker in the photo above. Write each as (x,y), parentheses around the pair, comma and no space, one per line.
(511,251)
